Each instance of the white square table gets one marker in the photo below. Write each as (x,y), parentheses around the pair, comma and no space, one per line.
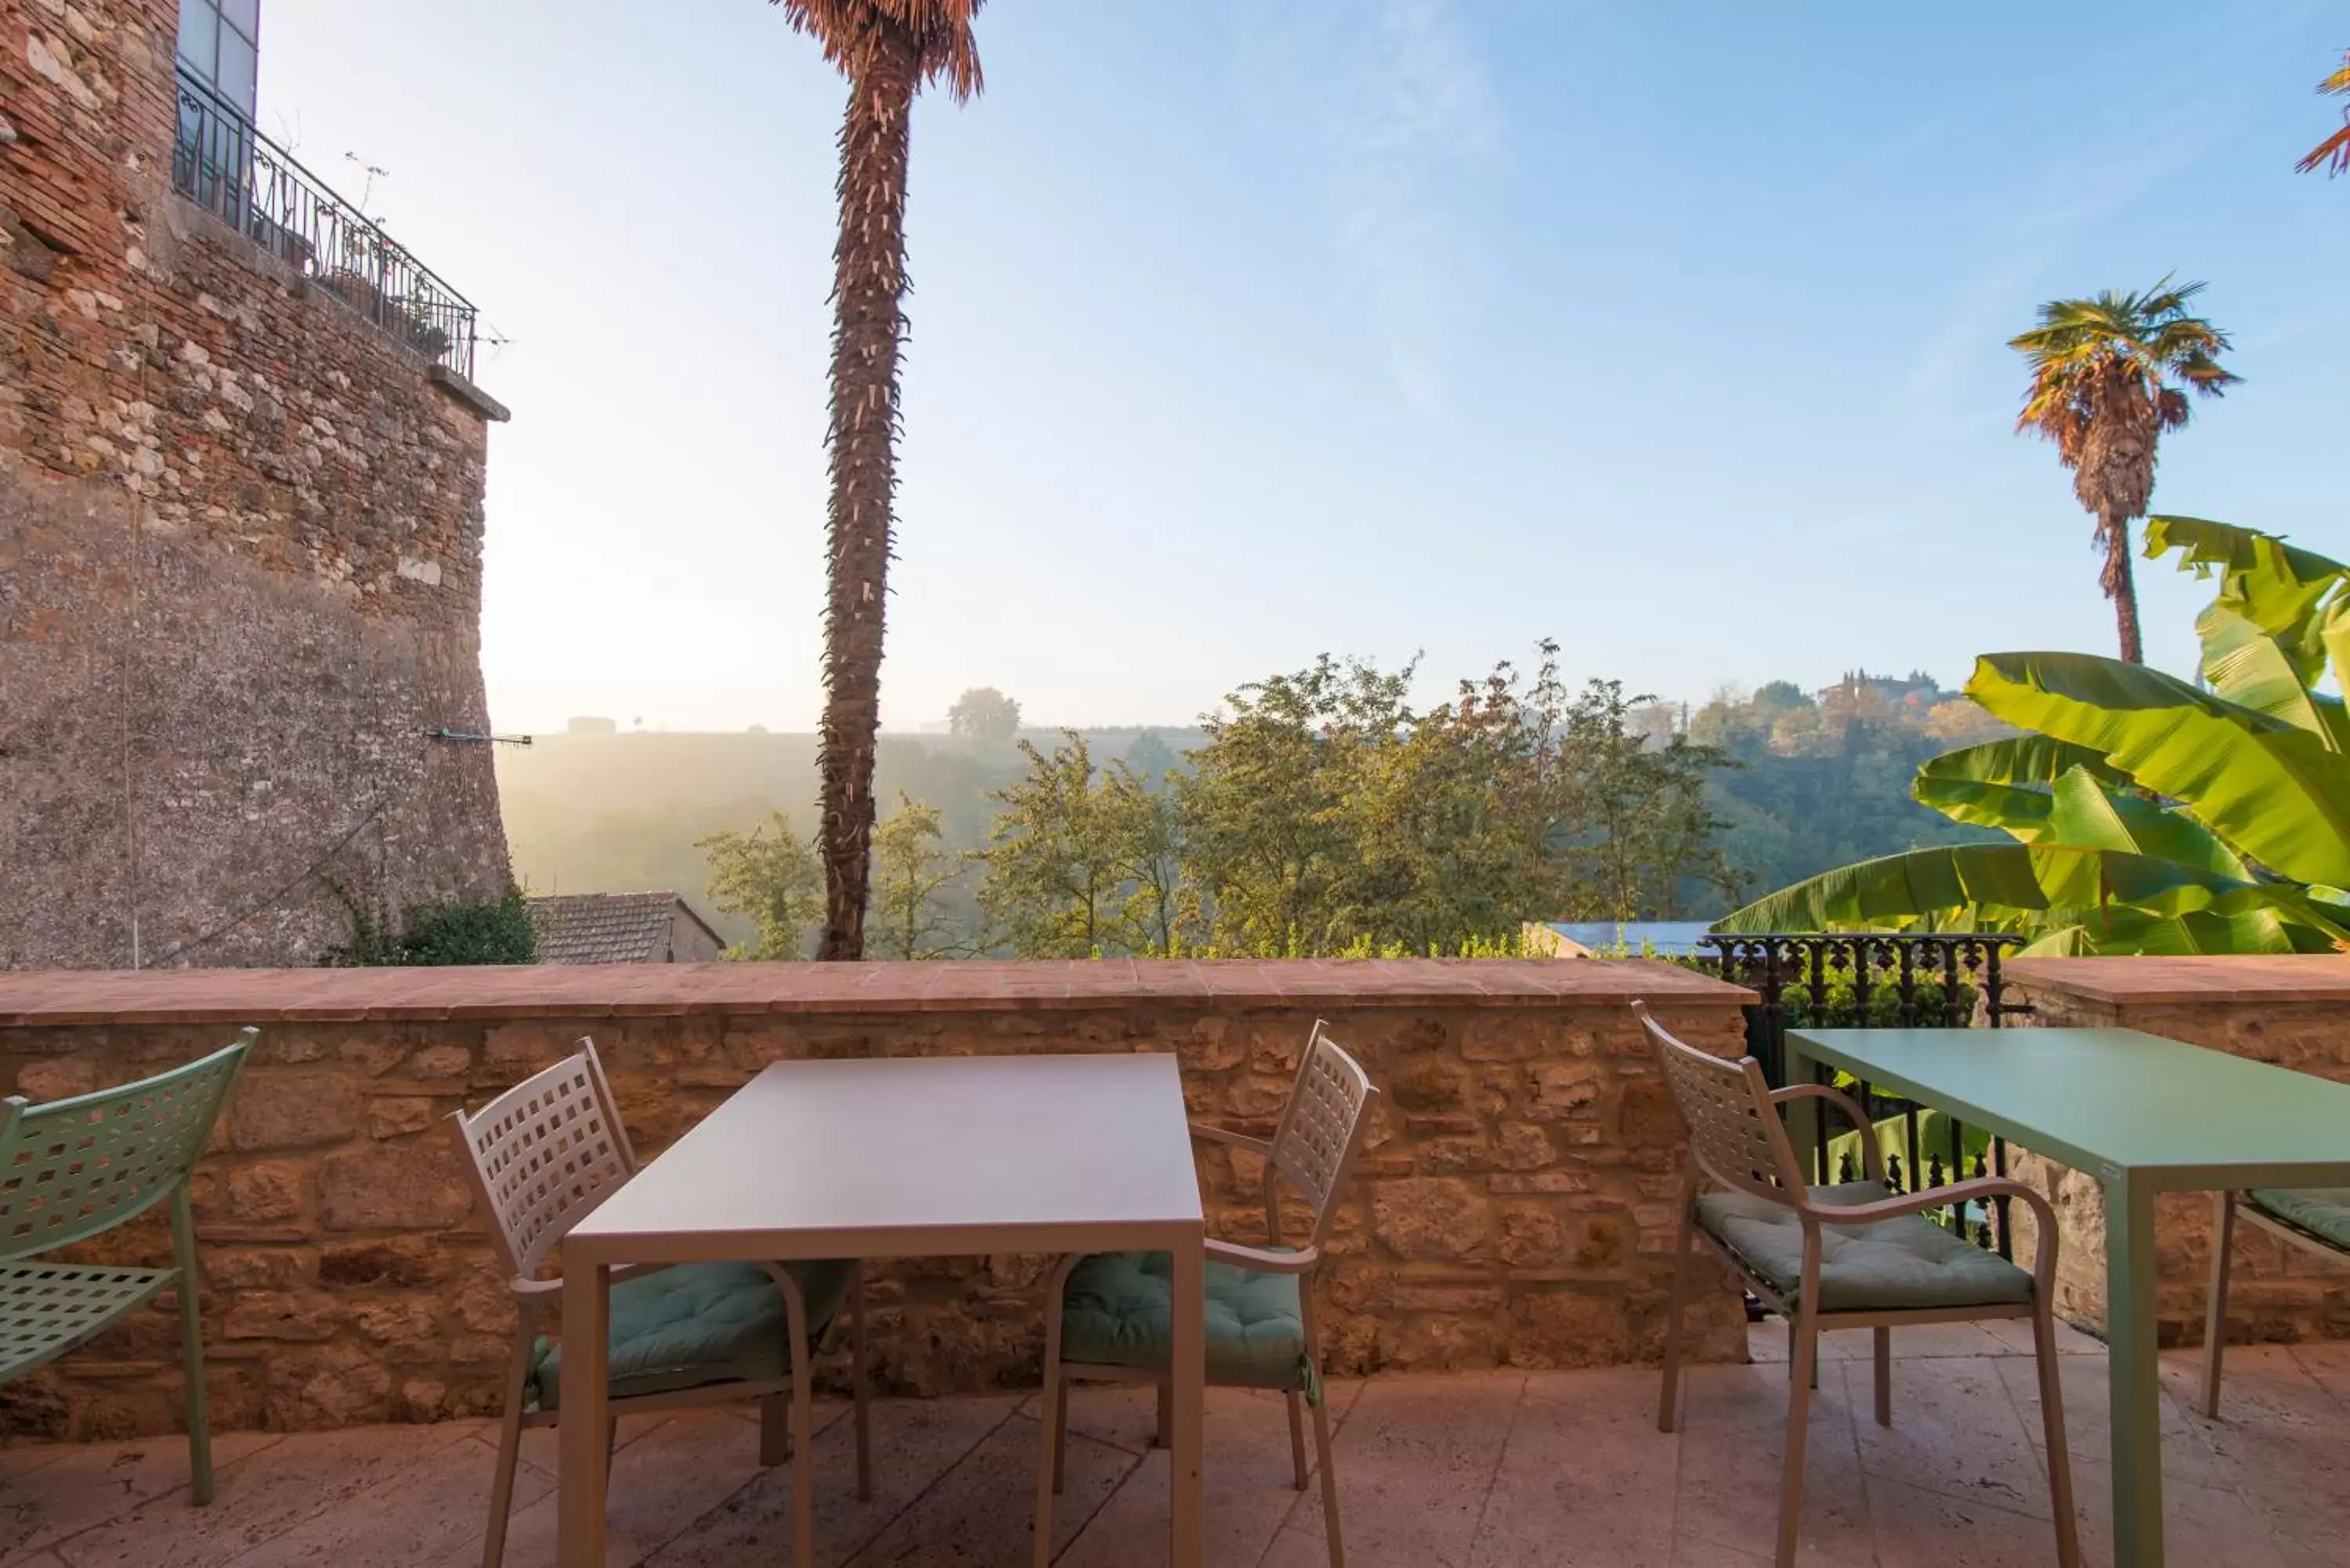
(902,1158)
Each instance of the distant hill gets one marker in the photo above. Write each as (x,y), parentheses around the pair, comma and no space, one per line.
(1824,780)
(619,813)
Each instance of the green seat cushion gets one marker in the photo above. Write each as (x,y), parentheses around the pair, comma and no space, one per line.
(699,1323)
(1119,1312)
(1903,1264)
(2322,1211)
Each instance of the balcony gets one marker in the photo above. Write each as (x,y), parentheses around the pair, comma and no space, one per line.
(1492,1291)
(225,166)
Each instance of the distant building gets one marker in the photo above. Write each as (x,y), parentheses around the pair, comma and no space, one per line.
(623,927)
(591,726)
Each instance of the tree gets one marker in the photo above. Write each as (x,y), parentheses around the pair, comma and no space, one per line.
(1151,758)
(2142,814)
(1144,823)
(1055,878)
(888,50)
(771,875)
(2109,375)
(2335,151)
(986,715)
(912,867)
(1636,823)
(1326,815)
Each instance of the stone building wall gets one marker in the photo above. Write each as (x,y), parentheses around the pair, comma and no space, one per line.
(2294,1011)
(1514,1205)
(240,554)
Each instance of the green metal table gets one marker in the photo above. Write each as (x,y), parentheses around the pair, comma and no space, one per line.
(2144,1116)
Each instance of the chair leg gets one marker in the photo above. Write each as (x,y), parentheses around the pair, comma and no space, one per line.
(194,1400)
(1322,1430)
(1884,1349)
(494,1543)
(1668,1402)
(2051,1416)
(796,1330)
(775,1430)
(1329,1481)
(1806,1328)
(863,1393)
(1061,1440)
(2215,1313)
(1052,1424)
(1298,1438)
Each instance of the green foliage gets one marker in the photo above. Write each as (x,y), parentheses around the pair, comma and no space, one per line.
(1823,781)
(1322,815)
(771,875)
(1084,861)
(443,931)
(913,870)
(1841,1006)
(986,715)
(2146,815)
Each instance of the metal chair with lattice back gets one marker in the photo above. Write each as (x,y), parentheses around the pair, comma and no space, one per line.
(77,1167)
(541,1156)
(1851,1255)
(1109,1316)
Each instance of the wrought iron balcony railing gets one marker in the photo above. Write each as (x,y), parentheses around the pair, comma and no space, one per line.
(1907,979)
(223,164)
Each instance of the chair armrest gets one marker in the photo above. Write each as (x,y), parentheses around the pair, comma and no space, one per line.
(1977,1190)
(1226,1135)
(1262,1260)
(1871,1158)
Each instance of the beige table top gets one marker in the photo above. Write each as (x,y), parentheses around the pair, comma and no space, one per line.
(954,1154)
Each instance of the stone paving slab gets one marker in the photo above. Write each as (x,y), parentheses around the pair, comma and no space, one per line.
(1474,1469)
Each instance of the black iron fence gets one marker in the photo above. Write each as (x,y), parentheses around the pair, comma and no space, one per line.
(1886,981)
(223,164)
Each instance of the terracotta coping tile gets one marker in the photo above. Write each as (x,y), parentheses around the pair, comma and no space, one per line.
(234,997)
(2144,981)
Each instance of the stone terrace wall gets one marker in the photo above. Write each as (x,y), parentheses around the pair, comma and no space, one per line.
(240,553)
(2292,1011)
(1514,1205)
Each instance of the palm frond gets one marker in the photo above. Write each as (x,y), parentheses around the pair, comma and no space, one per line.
(2335,151)
(940,30)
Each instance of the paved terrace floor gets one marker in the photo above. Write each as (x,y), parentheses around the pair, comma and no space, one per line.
(1473,1471)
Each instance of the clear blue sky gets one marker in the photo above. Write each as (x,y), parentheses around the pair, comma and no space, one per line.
(1246,330)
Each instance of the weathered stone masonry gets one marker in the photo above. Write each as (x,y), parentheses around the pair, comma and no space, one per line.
(240,554)
(1514,1206)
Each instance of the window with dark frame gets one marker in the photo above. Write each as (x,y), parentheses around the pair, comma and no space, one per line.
(219,45)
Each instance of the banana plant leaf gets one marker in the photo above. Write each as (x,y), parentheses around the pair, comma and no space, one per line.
(2269,674)
(2018,887)
(2272,791)
(2083,811)
(1993,784)
(2131,932)
(2297,597)
(2275,585)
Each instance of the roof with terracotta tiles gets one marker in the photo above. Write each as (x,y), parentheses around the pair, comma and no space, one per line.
(608,928)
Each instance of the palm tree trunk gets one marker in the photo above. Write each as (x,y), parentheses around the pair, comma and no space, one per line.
(868,321)
(2120,586)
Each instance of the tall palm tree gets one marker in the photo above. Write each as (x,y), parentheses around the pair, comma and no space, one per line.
(2336,148)
(889,50)
(2109,375)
